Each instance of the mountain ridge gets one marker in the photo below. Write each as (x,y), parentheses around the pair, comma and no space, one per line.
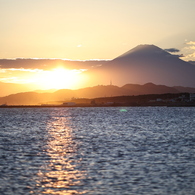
(148,63)
(34,98)
(142,64)
(144,49)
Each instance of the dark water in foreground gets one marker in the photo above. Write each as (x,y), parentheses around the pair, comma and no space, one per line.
(142,150)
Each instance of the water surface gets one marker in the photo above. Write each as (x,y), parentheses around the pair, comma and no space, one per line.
(132,150)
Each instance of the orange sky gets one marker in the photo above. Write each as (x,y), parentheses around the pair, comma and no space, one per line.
(91,29)
(88,29)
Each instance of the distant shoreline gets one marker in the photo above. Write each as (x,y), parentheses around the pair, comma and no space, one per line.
(95,106)
(152,100)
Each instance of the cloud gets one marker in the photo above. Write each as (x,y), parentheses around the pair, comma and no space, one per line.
(192,47)
(47,64)
(175,50)
(191,43)
(20,69)
(191,55)
(2,70)
(189,51)
(172,50)
(11,80)
(179,55)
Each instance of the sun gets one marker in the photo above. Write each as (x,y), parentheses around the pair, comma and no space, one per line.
(59,78)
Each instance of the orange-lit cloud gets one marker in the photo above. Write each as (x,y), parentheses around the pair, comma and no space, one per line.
(11,80)
(189,51)
(20,69)
(47,64)
(47,73)
(191,43)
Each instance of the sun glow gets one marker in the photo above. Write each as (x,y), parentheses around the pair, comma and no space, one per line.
(34,79)
(59,78)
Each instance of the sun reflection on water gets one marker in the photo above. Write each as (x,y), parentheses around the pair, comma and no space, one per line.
(61,174)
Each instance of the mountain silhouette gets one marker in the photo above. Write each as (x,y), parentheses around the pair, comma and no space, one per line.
(147,63)
(12,88)
(142,64)
(150,88)
(33,98)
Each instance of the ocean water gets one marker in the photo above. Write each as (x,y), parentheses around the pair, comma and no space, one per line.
(113,150)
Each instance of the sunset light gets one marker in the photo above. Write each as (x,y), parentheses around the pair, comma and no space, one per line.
(97,97)
(55,78)
(58,78)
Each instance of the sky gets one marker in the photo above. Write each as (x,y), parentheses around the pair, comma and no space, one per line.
(94,29)
(88,29)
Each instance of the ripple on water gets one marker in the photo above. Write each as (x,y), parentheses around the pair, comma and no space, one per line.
(141,150)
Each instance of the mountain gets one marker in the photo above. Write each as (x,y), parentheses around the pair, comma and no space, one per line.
(147,63)
(11,88)
(140,65)
(100,91)
(185,89)
(33,98)
(150,88)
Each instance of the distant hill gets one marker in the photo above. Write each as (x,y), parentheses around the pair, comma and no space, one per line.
(147,63)
(149,88)
(11,88)
(32,98)
(185,89)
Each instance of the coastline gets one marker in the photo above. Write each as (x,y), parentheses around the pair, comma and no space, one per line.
(96,106)
(149,100)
